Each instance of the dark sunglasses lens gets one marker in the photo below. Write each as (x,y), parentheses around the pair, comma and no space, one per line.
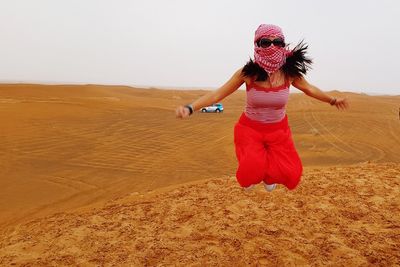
(279,42)
(265,43)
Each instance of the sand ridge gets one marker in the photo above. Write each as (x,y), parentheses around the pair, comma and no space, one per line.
(342,216)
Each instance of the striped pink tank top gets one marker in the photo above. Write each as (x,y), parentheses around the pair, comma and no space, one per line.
(267,105)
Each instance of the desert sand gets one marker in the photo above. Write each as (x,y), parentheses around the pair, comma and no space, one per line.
(107,175)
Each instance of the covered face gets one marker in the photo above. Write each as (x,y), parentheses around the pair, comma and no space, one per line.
(269,47)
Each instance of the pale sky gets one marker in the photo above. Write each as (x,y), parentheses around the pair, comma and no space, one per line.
(183,43)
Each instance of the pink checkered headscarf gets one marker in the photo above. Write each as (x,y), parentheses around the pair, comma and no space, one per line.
(273,57)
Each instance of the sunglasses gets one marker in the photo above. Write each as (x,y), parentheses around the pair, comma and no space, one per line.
(265,42)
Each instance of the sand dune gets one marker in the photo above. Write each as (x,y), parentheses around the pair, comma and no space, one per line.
(339,216)
(64,148)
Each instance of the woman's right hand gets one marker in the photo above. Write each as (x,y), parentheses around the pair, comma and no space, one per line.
(182,112)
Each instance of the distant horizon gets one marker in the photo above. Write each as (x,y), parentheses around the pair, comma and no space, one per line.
(161,87)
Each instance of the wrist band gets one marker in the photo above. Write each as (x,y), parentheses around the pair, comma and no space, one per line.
(333,101)
(190,107)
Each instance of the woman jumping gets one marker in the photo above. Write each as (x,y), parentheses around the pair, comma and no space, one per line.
(263,141)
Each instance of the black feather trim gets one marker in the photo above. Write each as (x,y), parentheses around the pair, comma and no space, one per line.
(297,65)
(252,69)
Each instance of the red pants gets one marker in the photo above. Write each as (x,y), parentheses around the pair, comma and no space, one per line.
(266,152)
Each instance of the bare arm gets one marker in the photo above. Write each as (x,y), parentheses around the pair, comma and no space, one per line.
(302,84)
(214,96)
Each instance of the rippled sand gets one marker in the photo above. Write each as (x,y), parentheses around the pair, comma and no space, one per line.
(76,148)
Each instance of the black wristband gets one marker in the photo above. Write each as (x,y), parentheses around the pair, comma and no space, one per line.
(333,101)
(190,107)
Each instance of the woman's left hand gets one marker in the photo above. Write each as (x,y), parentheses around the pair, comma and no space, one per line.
(342,104)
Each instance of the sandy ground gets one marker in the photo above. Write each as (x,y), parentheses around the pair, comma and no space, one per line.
(68,148)
(339,216)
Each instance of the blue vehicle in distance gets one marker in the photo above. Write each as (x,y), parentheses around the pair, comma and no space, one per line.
(217,107)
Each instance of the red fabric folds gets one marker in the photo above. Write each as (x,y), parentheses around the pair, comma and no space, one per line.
(266,152)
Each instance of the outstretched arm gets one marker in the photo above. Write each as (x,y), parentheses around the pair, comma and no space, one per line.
(214,96)
(311,90)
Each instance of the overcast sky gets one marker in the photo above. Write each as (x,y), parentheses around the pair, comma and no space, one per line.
(183,43)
